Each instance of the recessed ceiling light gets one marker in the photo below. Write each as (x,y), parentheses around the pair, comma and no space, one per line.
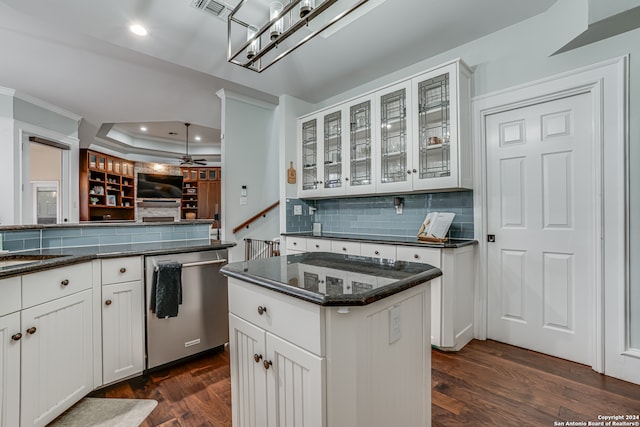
(198,138)
(138,30)
(143,128)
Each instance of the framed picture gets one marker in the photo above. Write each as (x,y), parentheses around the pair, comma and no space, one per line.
(111,200)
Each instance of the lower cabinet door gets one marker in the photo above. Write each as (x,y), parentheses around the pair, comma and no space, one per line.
(122,331)
(248,377)
(295,385)
(57,357)
(10,370)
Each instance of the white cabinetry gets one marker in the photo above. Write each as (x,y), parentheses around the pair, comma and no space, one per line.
(452,294)
(46,349)
(413,135)
(274,382)
(122,318)
(9,368)
(57,343)
(300,364)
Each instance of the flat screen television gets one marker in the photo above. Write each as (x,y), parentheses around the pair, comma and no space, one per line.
(155,186)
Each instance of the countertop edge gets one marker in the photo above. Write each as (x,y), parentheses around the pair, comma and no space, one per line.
(66,260)
(336,301)
(385,240)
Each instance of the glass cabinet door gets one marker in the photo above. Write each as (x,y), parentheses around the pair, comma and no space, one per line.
(333,150)
(360,172)
(310,155)
(393,137)
(434,121)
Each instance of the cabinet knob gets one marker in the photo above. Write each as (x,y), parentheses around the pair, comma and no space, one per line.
(317,246)
(415,171)
(344,249)
(416,256)
(295,243)
(257,357)
(261,310)
(108,302)
(377,252)
(408,172)
(65,282)
(123,270)
(16,337)
(346,178)
(31,330)
(267,364)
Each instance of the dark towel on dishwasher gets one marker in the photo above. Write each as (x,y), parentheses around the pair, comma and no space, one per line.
(166,289)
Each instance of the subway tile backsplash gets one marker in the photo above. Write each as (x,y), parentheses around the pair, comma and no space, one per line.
(377,215)
(50,238)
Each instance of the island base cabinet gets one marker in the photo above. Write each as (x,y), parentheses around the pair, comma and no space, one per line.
(9,370)
(122,331)
(273,382)
(379,362)
(56,357)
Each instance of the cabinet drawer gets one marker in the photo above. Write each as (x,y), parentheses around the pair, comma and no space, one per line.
(292,319)
(318,245)
(120,270)
(55,283)
(345,247)
(378,251)
(296,243)
(415,254)
(10,295)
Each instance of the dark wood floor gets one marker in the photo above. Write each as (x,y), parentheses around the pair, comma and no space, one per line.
(485,384)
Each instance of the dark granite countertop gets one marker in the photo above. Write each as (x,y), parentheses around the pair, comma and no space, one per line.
(111,223)
(330,279)
(385,240)
(44,259)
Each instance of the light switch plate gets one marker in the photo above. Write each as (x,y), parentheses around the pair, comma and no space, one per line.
(297,209)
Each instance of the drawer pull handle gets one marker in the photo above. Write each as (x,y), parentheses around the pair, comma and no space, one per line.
(261,310)
(65,282)
(31,330)
(108,302)
(16,337)
(123,270)
(267,364)
(257,357)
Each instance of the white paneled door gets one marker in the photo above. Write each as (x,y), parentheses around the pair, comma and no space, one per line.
(541,210)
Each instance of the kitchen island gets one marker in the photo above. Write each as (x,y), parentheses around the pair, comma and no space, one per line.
(321,339)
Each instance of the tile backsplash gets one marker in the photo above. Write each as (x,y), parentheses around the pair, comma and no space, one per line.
(377,215)
(86,235)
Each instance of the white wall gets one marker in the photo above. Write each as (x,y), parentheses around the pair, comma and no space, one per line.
(250,155)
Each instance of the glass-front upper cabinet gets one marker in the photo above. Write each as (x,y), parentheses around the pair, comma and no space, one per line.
(394,128)
(332,148)
(359,178)
(309,149)
(442,147)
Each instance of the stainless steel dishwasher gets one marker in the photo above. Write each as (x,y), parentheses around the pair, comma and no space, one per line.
(202,322)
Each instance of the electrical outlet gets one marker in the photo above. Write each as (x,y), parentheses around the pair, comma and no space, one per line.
(395,325)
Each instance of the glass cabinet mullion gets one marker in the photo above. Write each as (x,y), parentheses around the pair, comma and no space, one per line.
(310,155)
(333,150)
(393,141)
(434,127)
(360,144)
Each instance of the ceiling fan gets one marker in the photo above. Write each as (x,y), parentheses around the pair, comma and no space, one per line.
(187,160)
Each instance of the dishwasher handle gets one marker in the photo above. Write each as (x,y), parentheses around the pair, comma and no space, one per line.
(199,263)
